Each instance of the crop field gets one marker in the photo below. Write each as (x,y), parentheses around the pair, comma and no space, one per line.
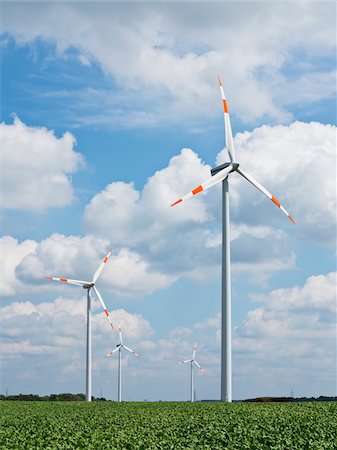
(109,425)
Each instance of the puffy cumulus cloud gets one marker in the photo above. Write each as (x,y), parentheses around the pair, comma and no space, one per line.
(12,253)
(35,167)
(123,208)
(168,54)
(317,295)
(63,256)
(288,341)
(291,338)
(131,275)
(297,164)
(280,345)
(60,323)
(144,221)
(260,251)
(184,239)
(51,337)
(127,272)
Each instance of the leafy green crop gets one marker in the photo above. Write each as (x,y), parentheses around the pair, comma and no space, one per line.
(109,425)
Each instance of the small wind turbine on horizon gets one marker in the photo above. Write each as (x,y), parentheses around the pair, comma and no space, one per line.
(191,362)
(119,350)
(219,174)
(88,285)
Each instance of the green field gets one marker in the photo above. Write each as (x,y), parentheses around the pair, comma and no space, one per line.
(109,425)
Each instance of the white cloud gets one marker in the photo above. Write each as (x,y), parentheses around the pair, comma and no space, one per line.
(127,274)
(154,244)
(48,338)
(318,294)
(167,54)
(287,342)
(185,239)
(291,338)
(297,164)
(35,167)
(120,209)
(12,253)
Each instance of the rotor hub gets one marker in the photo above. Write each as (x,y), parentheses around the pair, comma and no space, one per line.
(223,166)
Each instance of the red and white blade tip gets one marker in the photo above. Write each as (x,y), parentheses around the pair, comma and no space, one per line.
(278,204)
(190,194)
(178,201)
(219,80)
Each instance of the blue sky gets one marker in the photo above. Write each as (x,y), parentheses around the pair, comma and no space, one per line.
(111,111)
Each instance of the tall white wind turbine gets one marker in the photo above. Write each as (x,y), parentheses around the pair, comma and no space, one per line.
(88,285)
(119,350)
(219,174)
(191,362)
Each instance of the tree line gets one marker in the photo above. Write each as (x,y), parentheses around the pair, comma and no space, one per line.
(49,398)
(321,398)
(67,397)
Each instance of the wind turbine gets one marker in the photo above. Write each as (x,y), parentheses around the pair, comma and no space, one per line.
(88,285)
(219,174)
(191,361)
(119,350)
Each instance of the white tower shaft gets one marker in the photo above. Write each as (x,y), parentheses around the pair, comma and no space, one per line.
(226,327)
(88,353)
(119,375)
(192,382)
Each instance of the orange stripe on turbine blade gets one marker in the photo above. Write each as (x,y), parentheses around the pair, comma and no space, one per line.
(225,108)
(197,190)
(64,279)
(219,80)
(292,219)
(178,201)
(105,259)
(106,312)
(275,201)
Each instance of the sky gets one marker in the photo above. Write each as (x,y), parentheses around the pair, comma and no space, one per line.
(111,111)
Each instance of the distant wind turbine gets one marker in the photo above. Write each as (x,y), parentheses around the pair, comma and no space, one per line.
(119,350)
(219,174)
(89,285)
(191,362)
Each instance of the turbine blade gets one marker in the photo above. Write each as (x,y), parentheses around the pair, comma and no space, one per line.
(99,270)
(103,306)
(197,364)
(194,351)
(220,176)
(185,362)
(112,352)
(120,333)
(130,350)
(67,280)
(228,128)
(264,191)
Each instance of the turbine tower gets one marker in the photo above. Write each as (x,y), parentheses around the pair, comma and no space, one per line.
(219,174)
(88,285)
(119,350)
(191,362)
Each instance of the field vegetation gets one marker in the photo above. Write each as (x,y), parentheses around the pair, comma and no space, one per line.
(109,425)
